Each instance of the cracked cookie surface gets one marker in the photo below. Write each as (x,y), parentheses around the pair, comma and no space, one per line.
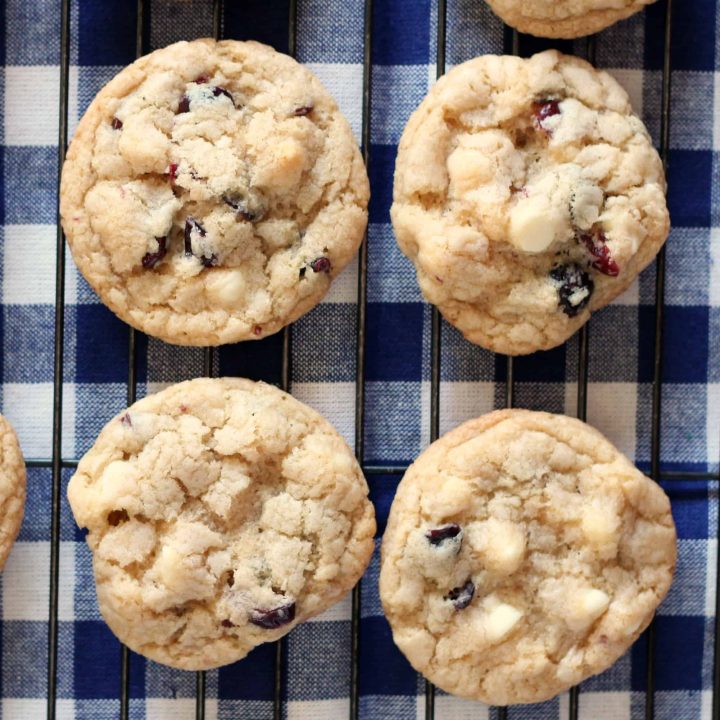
(564,18)
(523,553)
(212,192)
(220,514)
(528,195)
(12,488)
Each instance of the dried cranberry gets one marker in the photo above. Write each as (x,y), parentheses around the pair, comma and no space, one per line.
(257,330)
(184,104)
(125,419)
(116,124)
(227,623)
(544,109)
(273,618)
(192,225)
(217,91)
(571,280)
(596,244)
(201,80)
(321,264)
(444,532)
(172,172)
(150,260)
(302,111)
(236,203)
(462,596)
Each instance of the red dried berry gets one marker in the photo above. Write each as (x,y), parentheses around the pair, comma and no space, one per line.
(184,104)
(302,111)
(436,535)
(462,596)
(150,260)
(257,330)
(321,264)
(217,91)
(238,204)
(172,172)
(201,80)
(273,618)
(596,245)
(569,279)
(544,109)
(116,124)
(125,420)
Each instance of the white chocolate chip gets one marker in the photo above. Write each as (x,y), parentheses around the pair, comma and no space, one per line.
(532,229)
(585,607)
(500,543)
(599,526)
(500,621)
(225,288)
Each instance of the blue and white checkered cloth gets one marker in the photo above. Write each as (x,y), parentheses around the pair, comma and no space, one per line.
(330,41)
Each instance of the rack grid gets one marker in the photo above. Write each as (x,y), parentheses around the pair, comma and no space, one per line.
(513,43)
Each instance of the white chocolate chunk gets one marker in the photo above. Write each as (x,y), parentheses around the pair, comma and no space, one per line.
(225,288)
(557,203)
(504,546)
(586,606)
(500,621)
(532,226)
(599,526)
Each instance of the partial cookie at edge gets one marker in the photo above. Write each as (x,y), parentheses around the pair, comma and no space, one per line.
(12,488)
(563,18)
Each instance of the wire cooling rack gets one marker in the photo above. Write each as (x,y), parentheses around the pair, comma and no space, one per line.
(513,44)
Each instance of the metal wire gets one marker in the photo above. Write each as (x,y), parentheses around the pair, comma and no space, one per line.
(501,713)
(285,381)
(435,321)
(131,393)
(354,709)
(58,366)
(659,326)
(582,392)
(208,371)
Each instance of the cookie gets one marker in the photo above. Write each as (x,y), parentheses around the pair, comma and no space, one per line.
(220,513)
(12,488)
(523,554)
(528,195)
(564,18)
(212,192)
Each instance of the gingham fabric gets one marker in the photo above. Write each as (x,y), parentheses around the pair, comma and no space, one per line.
(316,681)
